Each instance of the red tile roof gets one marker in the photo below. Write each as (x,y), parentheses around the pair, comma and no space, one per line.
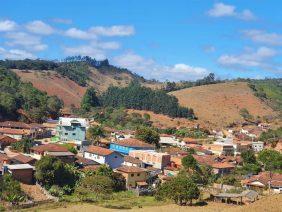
(14,131)
(3,157)
(223,166)
(132,160)
(264,178)
(205,159)
(7,139)
(130,169)
(49,148)
(23,158)
(99,150)
(133,142)
(14,124)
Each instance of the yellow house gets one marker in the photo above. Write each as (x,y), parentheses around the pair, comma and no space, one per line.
(134,176)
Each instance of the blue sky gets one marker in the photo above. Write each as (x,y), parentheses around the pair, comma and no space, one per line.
(161,39)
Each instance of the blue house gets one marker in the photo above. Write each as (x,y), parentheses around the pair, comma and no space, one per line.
(124,146)
(104,156)
(71,129)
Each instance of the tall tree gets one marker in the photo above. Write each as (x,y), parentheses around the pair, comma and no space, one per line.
(148,135)
(90,99)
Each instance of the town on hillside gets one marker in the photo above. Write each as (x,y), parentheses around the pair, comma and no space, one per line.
(76,157)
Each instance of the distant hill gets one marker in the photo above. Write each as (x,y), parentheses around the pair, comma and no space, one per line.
(220,104)
(70,78)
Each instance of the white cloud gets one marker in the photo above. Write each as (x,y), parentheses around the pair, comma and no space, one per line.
(260,36)
(260,58)
(118,30)
(151,70)
(7,25)
(225,10)
(80,34)
(29,42)
(39,27)
(105,45)
(15,54)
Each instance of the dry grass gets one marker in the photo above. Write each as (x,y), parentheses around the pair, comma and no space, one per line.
(219,104)
(269,204)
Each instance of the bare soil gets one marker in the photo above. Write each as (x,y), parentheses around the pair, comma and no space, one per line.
(219,104)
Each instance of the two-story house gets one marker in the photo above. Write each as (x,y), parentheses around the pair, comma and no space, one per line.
(126,145)
(104,156)
(72,129)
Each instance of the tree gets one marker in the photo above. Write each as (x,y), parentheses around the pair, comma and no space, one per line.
(148,135)
(94,134)
(249,157)
(10,190)
(118,179)
(90,99)
(189,162)
(51,171)
(23,146)
(271,159)
(181,189)
(95,184)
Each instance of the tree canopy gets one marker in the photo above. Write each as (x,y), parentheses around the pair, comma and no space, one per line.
(89,99)
(148,135)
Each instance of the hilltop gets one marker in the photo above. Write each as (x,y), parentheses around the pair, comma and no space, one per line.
(220,104)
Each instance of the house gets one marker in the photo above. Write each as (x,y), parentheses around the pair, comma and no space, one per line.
(126,145)
(104,156)
(220,148)
(22,172)
(263,181)
(6,141)
(23,159)
(168,140)
(17,134)
(54,150)
(257,146)
(152,158)
(72,129)
(133,175)
(19,130)
(131,161)
(222,168)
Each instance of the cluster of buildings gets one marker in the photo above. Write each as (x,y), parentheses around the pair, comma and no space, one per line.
(139,162)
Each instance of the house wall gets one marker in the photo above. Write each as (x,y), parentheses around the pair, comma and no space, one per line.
(23,175)
(114,160)
(126,150)
(132,178)
(70,133)
(157,160)
(98,158)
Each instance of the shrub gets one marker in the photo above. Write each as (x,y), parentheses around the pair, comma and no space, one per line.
(56,191)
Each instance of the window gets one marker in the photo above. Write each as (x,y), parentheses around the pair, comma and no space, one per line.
(116,157)
(66,133)
(132,175)
(138,174)
(73,134)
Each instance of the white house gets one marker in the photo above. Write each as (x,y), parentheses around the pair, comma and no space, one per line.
(169,140)
(257,146)
(104,156)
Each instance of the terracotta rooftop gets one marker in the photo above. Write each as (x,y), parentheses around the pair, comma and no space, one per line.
(99,150)
(49,148)
(133,160)
(23,158)
(205,159)
(14,124)
(91,167)
(130,169)
(222,165)
(84,161)
(264,178)
(133,142)
(7,139)
(14,131)
(3,157)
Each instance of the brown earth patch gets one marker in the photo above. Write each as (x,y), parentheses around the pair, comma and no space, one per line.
(218,105)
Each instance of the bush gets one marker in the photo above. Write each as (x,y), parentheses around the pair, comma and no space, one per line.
(56,191)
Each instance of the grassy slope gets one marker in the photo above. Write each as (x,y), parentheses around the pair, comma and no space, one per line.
(219,104)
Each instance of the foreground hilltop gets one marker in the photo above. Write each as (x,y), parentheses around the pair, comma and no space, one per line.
(220,104)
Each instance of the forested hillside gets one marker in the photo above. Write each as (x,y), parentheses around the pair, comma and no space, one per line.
(138,97)
(34,104)
(270,91)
